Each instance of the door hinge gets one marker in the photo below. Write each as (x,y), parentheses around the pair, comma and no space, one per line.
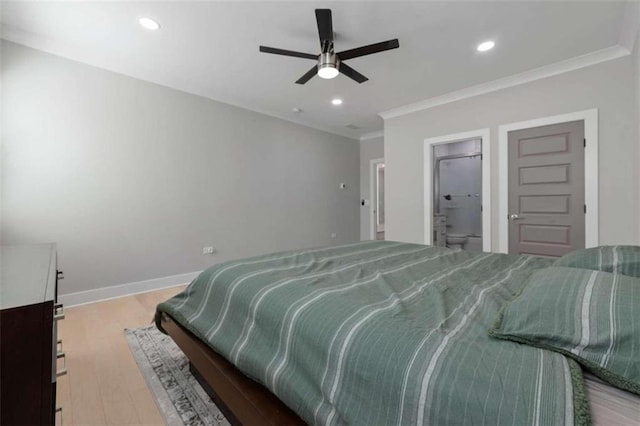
(584,141)
(585,208)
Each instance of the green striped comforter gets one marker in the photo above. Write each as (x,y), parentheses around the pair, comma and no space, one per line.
(382,333)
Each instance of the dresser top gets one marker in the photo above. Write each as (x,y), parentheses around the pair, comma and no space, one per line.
(28,274)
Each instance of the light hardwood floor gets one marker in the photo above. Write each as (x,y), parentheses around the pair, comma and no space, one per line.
(104,385)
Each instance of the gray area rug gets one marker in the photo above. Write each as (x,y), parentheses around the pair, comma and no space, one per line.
(179,396)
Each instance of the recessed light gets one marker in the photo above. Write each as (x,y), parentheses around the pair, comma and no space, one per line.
(336,101)
(149,23)
(487,45)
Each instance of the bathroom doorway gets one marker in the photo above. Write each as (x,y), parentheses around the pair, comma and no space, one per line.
(457,194)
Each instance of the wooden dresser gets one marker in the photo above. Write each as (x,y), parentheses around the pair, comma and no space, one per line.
(28,334)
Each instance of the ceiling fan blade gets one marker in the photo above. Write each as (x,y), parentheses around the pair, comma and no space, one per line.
(351,73)
(277,51)
(313,71)
(325,28)
(368,50)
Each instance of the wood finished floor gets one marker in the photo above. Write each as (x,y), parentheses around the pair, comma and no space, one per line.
(104,385)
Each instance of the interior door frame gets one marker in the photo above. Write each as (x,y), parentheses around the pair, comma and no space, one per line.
(373,196)
(485,136)
(590,119)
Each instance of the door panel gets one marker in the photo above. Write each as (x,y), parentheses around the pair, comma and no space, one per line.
(546,189)
(536,175)
(545,234)
(531,204)
(543,145)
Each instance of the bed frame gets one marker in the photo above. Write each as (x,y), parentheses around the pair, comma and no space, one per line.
(242,400)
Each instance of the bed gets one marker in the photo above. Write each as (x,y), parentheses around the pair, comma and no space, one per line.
(374,333)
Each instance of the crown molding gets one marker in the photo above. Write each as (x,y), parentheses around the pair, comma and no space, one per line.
(31,41)
(562,67)
(630,25)
(372,135)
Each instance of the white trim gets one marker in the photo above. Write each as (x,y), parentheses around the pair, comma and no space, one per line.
(572,64)
(372,135)
(116,291)
(373,196)
(590,118)
(485,135)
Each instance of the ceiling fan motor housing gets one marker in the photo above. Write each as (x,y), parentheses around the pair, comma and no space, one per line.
(328,59)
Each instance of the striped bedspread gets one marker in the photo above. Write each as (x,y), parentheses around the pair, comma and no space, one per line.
(382,333)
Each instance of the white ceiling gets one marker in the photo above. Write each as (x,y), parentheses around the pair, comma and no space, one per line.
(211,48)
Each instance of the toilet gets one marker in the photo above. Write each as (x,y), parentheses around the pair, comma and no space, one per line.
(456,240)
(474,243)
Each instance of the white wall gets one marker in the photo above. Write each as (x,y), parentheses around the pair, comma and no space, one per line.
(604,86)
(132,179)
(369,149)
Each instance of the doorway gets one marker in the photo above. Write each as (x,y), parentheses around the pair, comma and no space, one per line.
(549,184)
(377,218)
(468,193)
(457,195)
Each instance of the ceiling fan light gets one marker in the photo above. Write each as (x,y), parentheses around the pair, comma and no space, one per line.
(327,71)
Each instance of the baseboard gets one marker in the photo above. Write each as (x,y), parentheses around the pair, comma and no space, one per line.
(116,291)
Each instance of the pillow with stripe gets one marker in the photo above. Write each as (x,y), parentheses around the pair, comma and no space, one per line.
(590,316)
(617,259)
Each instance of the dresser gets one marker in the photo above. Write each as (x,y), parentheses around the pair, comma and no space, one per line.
(29,348)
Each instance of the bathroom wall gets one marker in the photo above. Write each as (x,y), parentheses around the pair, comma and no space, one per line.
(456,148)
(462,179)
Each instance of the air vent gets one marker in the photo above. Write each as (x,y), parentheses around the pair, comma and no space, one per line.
(352,127)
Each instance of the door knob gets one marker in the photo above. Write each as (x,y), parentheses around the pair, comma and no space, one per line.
(514,217)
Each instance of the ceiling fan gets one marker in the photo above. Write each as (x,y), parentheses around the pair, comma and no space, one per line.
(330,64)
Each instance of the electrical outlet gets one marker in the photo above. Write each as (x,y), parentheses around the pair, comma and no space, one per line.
(207,250)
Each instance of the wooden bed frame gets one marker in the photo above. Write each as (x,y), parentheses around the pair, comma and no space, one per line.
(242,400)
